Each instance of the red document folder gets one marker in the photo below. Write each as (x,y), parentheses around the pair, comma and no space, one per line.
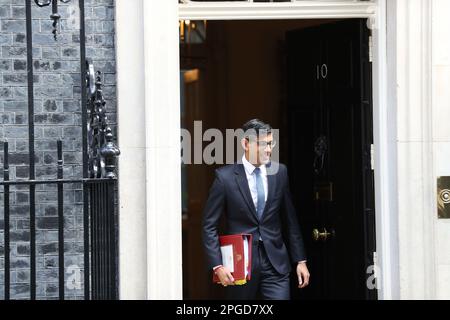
(237,256)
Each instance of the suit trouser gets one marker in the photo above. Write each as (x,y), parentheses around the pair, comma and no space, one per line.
(266,283)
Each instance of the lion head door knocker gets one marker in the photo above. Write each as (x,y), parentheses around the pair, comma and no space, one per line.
(320,150)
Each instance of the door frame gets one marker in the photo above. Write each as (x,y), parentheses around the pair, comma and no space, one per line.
(375,11)
(278,10)
(161,80)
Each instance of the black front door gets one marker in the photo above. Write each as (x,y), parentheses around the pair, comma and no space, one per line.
(330,139)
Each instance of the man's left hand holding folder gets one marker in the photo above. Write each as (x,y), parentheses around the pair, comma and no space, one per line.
(224,275)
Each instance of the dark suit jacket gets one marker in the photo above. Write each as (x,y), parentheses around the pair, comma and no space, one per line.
(230,194)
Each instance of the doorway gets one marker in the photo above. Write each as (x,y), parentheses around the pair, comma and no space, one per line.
(285,72)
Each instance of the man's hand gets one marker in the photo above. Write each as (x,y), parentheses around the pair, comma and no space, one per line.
(225,277)
(303,275)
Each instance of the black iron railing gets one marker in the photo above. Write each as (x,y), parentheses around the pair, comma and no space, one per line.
(98,181)
(100,222)
(103,252)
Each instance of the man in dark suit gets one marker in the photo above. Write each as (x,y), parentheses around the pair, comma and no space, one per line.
(256,200)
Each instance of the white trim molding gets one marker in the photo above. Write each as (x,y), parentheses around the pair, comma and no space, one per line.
(131,138)
(385,137)
(416,182)
(276,10)
(163,145)
(149,137)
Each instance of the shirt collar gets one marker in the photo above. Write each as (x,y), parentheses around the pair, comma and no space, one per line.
(249,168)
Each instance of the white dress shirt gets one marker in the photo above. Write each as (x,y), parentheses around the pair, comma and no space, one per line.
(251,178)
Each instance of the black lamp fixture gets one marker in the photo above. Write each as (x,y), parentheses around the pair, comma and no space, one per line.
(55,16)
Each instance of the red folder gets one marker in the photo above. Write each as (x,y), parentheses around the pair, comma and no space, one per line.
(237,256)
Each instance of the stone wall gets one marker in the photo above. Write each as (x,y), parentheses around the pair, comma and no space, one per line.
(57,116)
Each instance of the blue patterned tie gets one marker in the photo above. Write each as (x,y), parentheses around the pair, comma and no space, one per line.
(261,202)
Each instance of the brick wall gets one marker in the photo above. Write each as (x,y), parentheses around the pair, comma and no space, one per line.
(57,116)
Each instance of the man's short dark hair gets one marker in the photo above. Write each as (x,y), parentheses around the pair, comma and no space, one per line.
(258,126)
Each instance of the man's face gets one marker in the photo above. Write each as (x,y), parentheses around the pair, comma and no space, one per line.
(258,150)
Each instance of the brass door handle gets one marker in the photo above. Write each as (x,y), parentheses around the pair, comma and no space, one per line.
(321,236)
